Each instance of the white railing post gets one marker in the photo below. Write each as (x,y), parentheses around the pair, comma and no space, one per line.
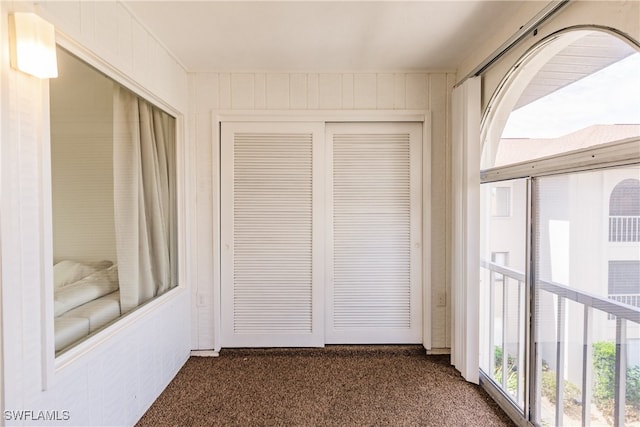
(505,356)
(560,362)
(621,372)
(587,369)
(492,338)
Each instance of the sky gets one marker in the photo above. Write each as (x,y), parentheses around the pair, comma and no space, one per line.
(610,96)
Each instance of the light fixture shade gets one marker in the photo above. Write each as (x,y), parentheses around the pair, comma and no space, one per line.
(33,45)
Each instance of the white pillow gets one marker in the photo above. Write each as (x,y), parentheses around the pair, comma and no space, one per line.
(67,271)
(94,286)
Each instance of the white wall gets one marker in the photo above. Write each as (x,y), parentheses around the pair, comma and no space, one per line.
(263,91)
(112,378)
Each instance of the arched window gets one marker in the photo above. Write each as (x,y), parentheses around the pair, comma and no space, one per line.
(624,212)
(562,128)
(575,91)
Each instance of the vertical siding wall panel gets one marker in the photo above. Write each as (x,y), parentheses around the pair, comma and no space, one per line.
(322,91)
(125,35)
(313,87)
(224,91)
(365,91)
(298,92)
(278,91)
(347,91)
(438,107)
(140,41)
(206,165)
(205,91)
(87,18)
(417,92)
(400,91)
(330,91)
(242,91)
(260,81)
(106,31)
(451,81)
(385,91)
(70,16)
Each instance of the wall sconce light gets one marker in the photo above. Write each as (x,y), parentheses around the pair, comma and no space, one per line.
(33,45)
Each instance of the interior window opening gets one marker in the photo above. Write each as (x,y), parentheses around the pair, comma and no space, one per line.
(113,158)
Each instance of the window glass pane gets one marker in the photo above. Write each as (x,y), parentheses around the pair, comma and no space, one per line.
(582,94)
(113,201)
(503,296)
(586,293)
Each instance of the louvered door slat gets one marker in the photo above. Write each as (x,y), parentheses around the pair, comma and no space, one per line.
(374,296)
(268,267)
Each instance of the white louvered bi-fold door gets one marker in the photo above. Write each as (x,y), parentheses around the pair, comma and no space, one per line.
(374,292)
(271,235)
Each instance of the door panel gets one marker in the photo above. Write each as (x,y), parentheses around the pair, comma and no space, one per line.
(271,244)
(374,292)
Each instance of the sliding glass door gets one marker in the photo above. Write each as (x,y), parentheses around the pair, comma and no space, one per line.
(503,290)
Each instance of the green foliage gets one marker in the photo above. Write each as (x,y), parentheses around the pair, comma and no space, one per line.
(633,387)
(512,372)
(571,394)
(604,372)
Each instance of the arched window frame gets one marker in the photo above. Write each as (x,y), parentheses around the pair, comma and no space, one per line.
(506,96)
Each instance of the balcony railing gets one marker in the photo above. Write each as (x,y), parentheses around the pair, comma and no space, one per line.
(509,368)
(623,313)
(624,228)
(629,299)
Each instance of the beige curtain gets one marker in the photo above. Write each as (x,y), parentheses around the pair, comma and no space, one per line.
(465,251)
(144,199)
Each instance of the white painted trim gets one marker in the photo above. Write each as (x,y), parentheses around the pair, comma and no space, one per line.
(427,206)
(205,353)
(114,73)
(46,255)
(621,153)
(216,162)
(424,116)
(438,351)
(320,116)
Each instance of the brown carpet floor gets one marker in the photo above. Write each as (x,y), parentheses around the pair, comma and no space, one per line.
(334,386)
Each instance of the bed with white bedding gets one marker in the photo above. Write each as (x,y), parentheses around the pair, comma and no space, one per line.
(86,298)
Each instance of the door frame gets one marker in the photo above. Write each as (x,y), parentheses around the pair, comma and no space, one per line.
(336,116)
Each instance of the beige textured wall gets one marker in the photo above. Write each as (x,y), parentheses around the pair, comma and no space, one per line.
(82,162)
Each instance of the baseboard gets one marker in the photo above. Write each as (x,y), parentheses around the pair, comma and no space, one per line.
(205,353)
(438,351)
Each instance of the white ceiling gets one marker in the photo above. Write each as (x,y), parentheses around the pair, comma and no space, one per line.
(322,35)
